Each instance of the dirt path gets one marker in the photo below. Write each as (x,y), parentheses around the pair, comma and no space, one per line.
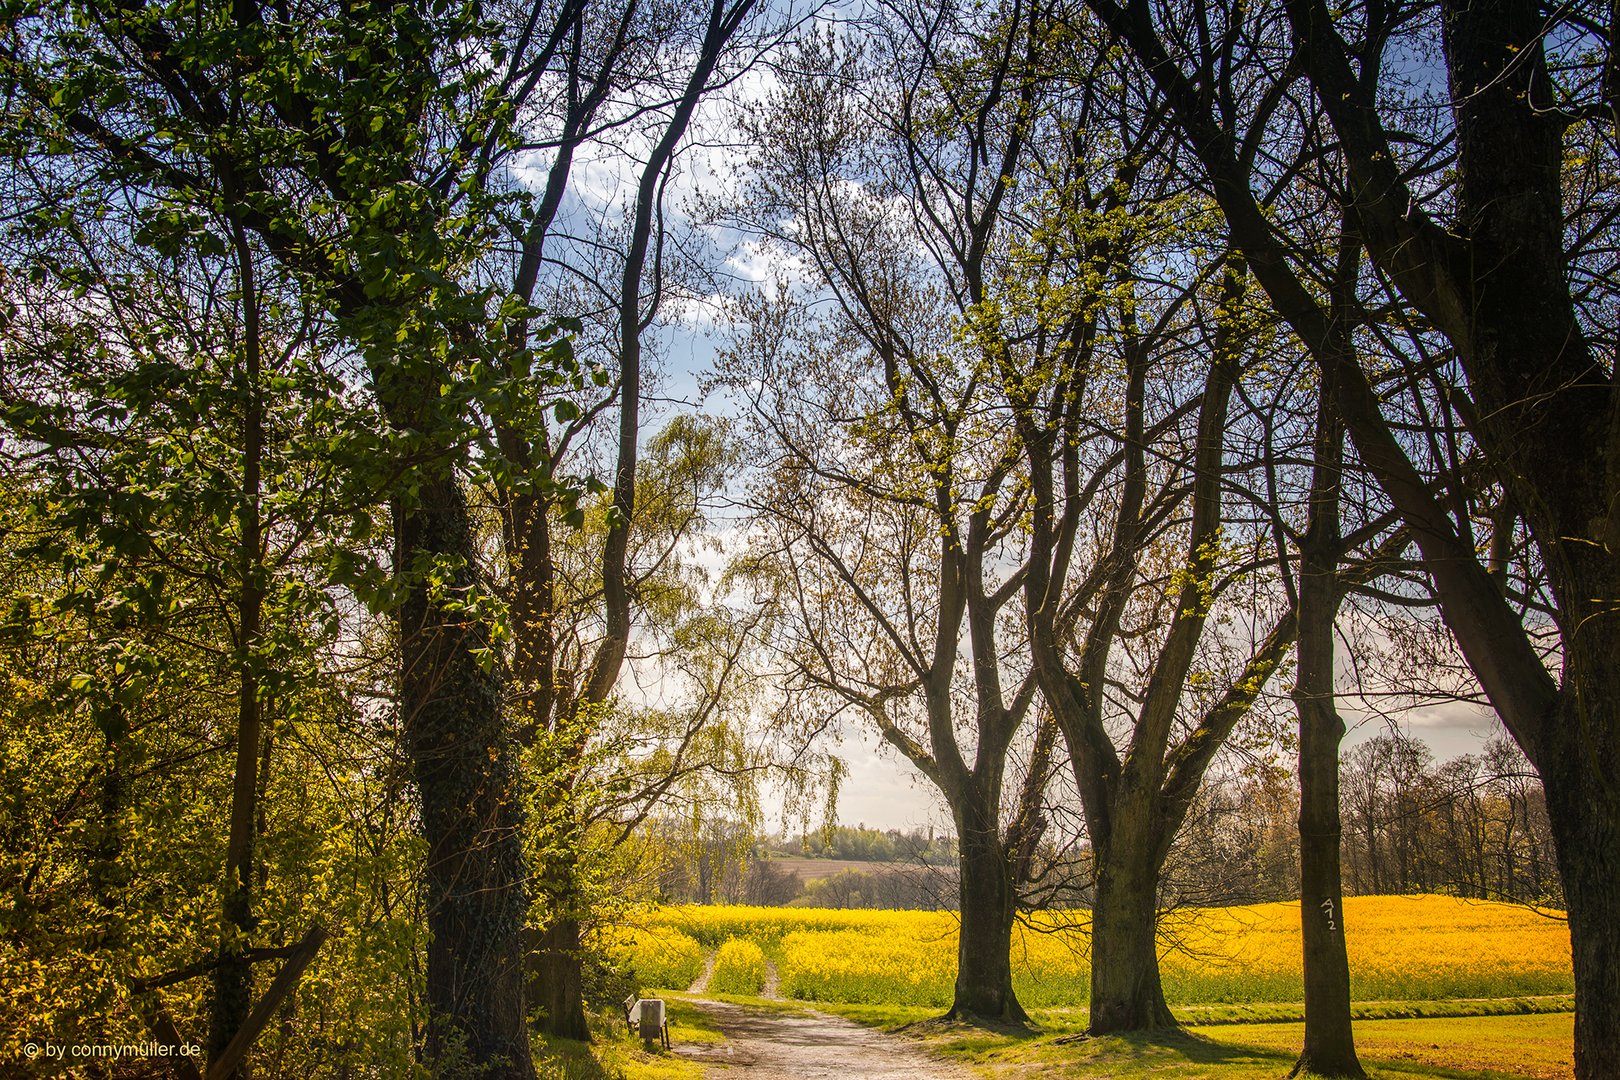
(701,983)
(771,989)
(764,1045)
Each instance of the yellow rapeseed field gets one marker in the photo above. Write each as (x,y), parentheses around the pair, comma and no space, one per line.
(662,956)
(739,968)
(1401,947)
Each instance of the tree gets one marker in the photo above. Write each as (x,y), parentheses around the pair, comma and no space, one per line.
(1135,803)
(1240,841)
(891,500)
(346,142)
(598,772)
(1475,825)
(173,413)
(367,155)
(620,82)
(880,546)
(1490,260)
(168,327)
(1064,360)
(1329,1042)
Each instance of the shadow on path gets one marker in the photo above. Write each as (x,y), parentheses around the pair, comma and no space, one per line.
(769,1045)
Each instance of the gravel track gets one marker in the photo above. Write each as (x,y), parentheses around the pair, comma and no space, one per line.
(768,1045)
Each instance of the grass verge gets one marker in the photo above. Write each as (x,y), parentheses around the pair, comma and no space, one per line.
(1516,1039)
(1537,1046)
(616,1054)
(1066,1021)
(1467,1039)
(1207,1015)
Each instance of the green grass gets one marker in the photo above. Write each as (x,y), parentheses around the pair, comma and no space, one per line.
(611,1055)
(616,1054)
(1248,1052)
(787,1006)
(1206,1015)
(1455,1040)
(1471,1046)
(689,1023)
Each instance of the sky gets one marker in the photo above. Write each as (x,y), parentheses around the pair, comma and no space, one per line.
(881,789)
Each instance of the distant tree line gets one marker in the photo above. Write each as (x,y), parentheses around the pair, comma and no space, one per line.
(861,844)
(1474,826)
(764,882)
(726,862)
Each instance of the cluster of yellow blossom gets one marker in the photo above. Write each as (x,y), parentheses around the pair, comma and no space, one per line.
(872,968)
(713,925)
(1401,947)
(660,955)
(739,968)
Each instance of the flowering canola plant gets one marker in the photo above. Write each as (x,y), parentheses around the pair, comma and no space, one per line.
(739,968)
(662,956)
(1401,947)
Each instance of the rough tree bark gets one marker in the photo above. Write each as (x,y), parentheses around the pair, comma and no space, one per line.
(455,735)
(1583,805)
(556,964)
(983,987)
(988,899)
(1329,1043)
(1126,994)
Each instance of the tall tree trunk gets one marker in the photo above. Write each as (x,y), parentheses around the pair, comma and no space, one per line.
(232,997)
(557,969)
(988,899)
(1582,784)
(556,965)
(553,964)
(1126,994)
(558,979)
(1329,1046)
(456,740)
